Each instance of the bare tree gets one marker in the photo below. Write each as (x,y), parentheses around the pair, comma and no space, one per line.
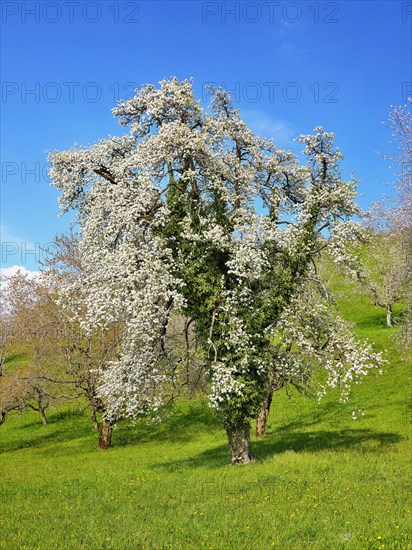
(14,394)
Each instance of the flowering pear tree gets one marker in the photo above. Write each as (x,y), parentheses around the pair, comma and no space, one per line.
(192,212)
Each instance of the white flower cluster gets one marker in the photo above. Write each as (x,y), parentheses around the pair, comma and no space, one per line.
(128,272)
(316,339)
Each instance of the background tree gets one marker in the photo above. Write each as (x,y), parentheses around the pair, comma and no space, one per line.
(90,350)
(81,352)
(62,361)
(399,217)
(385,265)
(15,393)
(5,337)
(31,319)
(388,266)
(400,126)
(193,213)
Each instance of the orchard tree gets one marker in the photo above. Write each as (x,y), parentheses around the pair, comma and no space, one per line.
(5,339)
(89,349)
(400,124)
(387,269)
(397,219)
(386,264)
(30,320)
(80,353)
(63,359)
(191,212)
(15,393)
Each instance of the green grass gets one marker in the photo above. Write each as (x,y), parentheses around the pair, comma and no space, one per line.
(320,479)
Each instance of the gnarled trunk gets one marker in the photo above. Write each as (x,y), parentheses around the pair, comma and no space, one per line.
(105,435)
(42,404)
(263,414)
(43,415)
(239,442)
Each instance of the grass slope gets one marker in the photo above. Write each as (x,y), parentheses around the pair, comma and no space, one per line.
(321,480)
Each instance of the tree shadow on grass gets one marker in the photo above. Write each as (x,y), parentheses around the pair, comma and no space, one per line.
(372,320)
(357,440)
(332,413)
(354,439)
(187,424)
(181,426)
(62,427)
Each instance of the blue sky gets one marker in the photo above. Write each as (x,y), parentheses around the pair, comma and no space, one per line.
(290,65)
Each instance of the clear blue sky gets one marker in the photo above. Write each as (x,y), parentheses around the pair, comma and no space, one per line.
(291,66)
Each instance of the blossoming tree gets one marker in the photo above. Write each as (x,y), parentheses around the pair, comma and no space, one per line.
(192,212)
(394,222)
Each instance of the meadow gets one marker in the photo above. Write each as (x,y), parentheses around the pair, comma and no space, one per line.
(319,480)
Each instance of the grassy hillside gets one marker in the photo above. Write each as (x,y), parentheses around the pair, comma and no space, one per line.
(321,480)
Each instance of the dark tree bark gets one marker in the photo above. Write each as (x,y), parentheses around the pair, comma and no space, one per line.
(264,413)
(4,412)
(43,416)
(275,383)
(105,435)
(239,442)
(42,405)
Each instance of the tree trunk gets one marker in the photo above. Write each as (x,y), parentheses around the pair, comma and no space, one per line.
(43,416)
(389,315)
(3,416)
(105,435)
(263,415)
(42,405)
(239,442)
